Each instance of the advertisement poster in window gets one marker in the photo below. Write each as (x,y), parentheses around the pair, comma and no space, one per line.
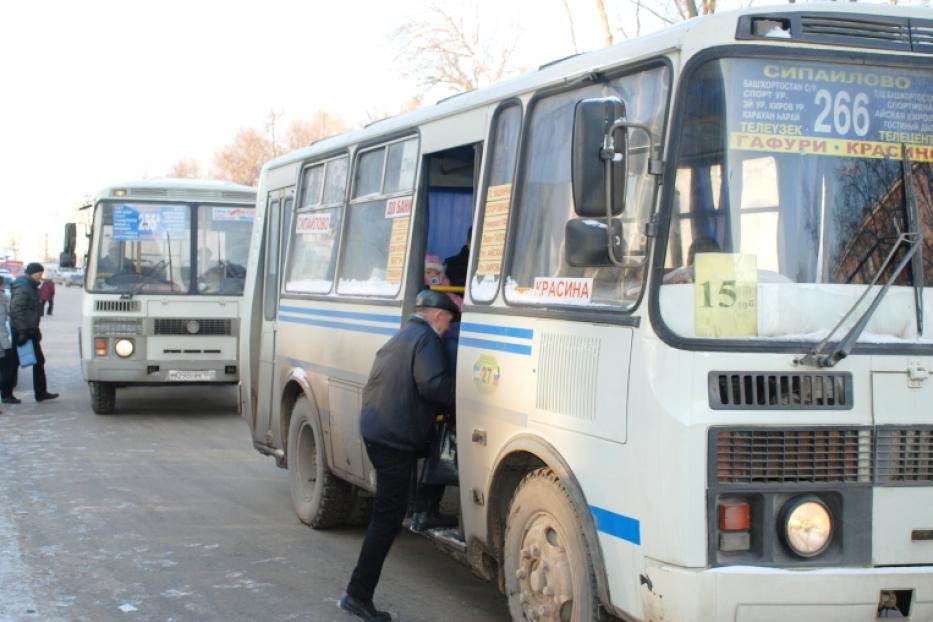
(495,225)
(399,210)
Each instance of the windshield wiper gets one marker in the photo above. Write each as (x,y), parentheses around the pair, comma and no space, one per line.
(913,223)
(819,356)
(145,279)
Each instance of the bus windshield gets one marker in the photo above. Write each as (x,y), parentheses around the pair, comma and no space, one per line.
(147,248)
(794,181)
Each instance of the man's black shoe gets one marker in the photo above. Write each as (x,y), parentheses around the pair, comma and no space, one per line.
(11,400)
(46,396)
(426,521)
(364,610)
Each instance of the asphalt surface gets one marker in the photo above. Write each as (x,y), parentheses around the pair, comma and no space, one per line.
(164,512)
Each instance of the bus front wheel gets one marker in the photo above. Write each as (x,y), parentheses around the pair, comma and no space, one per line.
(548,572)
(321,499)
(103,397)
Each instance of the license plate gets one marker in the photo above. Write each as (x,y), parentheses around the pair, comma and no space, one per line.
(189,375)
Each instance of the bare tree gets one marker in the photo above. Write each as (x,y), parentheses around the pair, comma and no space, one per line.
(242,160)
(447,50)
(185,168)
(322,124)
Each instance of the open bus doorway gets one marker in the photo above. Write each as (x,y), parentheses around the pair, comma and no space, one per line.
(449,190)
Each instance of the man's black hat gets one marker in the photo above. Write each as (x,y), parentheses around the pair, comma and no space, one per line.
(436,300)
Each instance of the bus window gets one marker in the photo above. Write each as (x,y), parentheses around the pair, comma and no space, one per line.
(272,261)
(495,219)
(223,247)
(540,272)
(317,228)
(373,258)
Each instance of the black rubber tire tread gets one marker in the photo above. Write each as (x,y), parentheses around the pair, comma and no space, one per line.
(543,490)
(329,501)
(103,397)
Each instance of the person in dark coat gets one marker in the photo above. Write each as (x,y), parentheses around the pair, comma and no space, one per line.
(409,385)
(455,266)
(25,313)
(47,296)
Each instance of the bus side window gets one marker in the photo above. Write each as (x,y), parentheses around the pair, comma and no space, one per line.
(379,214)
(318,222)
(540,272)
(487,266)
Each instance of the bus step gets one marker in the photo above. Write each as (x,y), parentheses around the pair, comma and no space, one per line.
(450,539)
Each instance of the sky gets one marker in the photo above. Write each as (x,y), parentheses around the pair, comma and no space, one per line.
(95,92)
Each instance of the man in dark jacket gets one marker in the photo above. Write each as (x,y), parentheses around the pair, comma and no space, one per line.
(410,383)
(25,312)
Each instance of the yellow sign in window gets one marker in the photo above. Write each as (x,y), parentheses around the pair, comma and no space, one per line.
(725,295)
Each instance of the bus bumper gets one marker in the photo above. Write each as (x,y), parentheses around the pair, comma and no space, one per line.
(755,594)
(160,372)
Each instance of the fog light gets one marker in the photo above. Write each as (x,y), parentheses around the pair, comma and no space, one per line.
(808,526)
(124,347)
(100,346)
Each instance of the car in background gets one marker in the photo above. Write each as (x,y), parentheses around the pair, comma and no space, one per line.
(60,275)
(74,279)
(7,282)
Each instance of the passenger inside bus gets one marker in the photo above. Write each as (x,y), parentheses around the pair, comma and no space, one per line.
(455,266)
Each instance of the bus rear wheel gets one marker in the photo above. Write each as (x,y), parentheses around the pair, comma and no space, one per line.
(548,572)
(103,397)
(321,500)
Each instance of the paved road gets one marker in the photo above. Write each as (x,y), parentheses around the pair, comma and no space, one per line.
(164,512)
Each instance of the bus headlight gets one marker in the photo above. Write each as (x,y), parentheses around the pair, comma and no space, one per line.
(808,526)
(124,347)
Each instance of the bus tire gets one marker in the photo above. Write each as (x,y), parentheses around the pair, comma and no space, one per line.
(103,397)
(321,500)
(547,566)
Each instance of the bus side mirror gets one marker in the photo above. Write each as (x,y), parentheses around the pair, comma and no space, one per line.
(598,153)
(67,257)
(585,242)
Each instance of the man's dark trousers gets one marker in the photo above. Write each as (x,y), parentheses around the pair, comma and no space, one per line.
(394,469)
(39,386)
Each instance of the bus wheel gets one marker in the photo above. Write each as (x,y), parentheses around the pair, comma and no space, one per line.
(320,498)
(103,397)
(548,573)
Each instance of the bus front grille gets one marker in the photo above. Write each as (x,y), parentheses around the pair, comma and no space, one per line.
(192,326)
(882,456)
(783,456)
(780,391)
(904,455)
(121,306)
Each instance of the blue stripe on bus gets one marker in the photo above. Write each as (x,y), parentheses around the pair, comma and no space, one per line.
(502,331)
(360,328)
(350,315)
(486,344)
(617,525)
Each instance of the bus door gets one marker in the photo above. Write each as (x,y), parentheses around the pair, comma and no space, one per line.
(449,190)
(279,209)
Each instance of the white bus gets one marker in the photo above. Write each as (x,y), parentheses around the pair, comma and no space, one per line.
(673,402)
(164,285)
